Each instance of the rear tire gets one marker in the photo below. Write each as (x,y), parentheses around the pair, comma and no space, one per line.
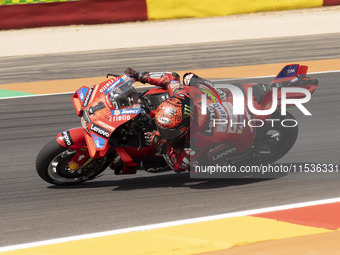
(52,166)
(281,144)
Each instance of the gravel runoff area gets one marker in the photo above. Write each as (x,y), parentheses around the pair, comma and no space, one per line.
(151,33)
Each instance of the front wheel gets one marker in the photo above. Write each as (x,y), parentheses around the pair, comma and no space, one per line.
(52,165)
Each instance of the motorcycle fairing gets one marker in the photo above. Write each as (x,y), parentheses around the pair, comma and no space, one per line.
(80,101)
(102,125)
(291,71)
(294,76)
(82,93)
(99,118)
(97,145)
(125,156)
(81,98)
(297,74)
(72,138)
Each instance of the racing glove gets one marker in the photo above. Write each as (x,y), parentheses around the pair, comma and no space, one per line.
(131,72)
(153,138)
(139,76)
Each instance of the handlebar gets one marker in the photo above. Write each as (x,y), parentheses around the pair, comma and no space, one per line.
(111,74)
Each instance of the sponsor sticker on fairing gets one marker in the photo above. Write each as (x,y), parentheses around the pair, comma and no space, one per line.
(67,138)
(208,128)
(108,87)
(126,111)
(82,93)
(223,154)
(108,84)
(123,117)
(100,130)
(88,96)
(223,115)
(223,94)
(288,71)
(98,141)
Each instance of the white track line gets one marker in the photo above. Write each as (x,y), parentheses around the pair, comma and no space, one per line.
(170,224)
(38,95)
(55,94)
(269,76)
(234,79)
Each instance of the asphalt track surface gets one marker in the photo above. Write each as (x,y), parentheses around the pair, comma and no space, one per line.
(32,210)
(165,58)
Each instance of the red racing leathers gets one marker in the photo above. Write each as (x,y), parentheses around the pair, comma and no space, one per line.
(176,154)
(206,139)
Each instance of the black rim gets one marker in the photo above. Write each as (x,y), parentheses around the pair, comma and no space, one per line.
(59,171)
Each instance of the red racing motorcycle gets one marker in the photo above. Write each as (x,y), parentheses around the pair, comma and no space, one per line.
(247,124)
(114,118)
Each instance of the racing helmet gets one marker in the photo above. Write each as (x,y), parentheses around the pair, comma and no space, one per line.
(173,117)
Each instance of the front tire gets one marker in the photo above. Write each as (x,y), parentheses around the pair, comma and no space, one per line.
(52,166)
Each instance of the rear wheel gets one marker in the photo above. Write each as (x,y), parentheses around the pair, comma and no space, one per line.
(52,165)
(274,141)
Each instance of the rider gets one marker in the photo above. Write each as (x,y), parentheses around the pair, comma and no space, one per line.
(172,137)
(172,118)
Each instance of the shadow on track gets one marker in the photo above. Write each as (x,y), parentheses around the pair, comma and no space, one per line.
(163,181)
